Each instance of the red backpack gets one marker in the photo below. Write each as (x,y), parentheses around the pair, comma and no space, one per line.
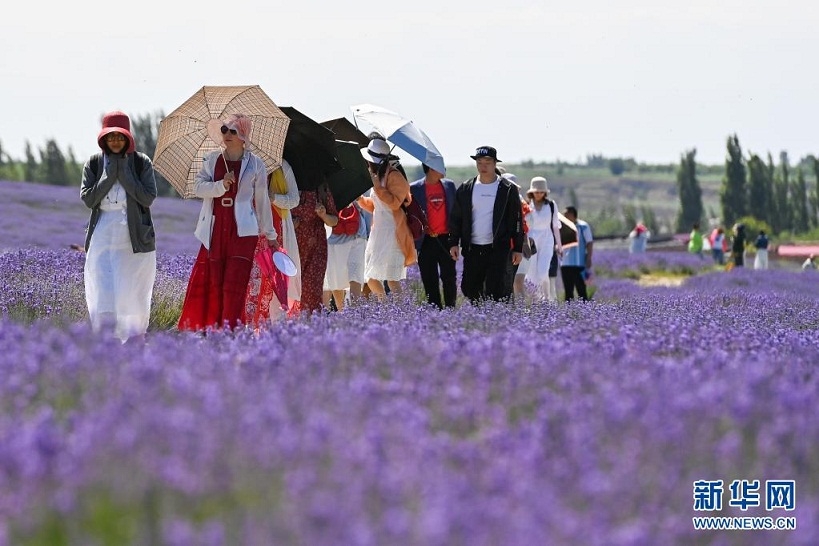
(348,219)
(416,219)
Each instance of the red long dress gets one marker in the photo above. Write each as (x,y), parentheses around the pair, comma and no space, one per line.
(312,240)
(216,290)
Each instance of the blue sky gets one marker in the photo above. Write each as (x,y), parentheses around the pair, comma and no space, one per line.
(537,80)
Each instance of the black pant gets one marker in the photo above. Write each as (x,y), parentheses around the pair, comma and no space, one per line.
(487,273)
(435,264)
(553,265)
(573,278)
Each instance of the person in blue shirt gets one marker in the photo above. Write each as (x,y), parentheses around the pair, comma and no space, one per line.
(577,259)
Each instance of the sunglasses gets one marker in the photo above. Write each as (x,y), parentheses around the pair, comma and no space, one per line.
(225,129)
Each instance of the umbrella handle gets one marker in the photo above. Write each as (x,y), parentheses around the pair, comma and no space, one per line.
(224,158)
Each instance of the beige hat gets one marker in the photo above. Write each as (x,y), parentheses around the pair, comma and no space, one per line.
(538,183)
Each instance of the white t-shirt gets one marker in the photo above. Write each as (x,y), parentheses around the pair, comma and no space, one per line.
(483,211)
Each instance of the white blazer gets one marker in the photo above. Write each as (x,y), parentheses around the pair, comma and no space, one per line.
(252,187)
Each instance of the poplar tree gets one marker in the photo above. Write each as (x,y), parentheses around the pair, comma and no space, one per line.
(783,221)
(146,132)
(688,186)
(799,203)
(53,168)
(758,189)
(814,198)
(31,168)
(733,195)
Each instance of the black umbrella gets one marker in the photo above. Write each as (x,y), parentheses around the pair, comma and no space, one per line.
(310,148)
(354,177)
(344,129)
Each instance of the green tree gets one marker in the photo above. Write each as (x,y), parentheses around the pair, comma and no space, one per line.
(733,196)
(8,167)
(606,222)
(783,220)
(617,166)
(752,228)
(145,129)
(770,172)
(53,168)
(73,169)
(758,189)
(629,216)
(31,172)
(689,191)
(597,161)
(799,203)
(573,200)
(814,198)
(650,219)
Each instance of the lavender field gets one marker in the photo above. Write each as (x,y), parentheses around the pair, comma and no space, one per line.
(396,424)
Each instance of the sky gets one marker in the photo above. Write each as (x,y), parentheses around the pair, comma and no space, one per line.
(540,80)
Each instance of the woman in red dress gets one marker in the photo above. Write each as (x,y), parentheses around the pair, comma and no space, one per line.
(235,211)
(316,209)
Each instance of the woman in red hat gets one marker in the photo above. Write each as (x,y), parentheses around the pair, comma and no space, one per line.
(119,186)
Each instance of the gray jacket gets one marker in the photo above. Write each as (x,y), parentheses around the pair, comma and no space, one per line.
(135,173)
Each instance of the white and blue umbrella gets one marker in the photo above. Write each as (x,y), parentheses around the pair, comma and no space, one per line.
(402,132)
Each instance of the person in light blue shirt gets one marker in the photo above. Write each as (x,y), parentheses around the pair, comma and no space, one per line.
(638,239)
(577,259)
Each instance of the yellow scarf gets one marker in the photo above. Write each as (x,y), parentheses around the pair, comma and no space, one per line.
(278,184)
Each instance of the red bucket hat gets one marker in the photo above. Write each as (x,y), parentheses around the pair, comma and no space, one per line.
(116,122)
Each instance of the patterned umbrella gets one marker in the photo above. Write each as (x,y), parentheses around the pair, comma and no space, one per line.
(183,139)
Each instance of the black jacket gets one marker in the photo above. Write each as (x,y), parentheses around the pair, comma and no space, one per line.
(418,189)
(138,180)
(507,221)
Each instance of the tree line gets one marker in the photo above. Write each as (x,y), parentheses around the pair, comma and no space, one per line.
(756,192)
(49,165)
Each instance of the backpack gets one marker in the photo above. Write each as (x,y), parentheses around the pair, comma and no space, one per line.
(348,220)
(416,219)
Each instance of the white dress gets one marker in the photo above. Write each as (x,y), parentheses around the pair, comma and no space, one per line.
(541,229)
(288,201)
(383,259)
(118,282)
